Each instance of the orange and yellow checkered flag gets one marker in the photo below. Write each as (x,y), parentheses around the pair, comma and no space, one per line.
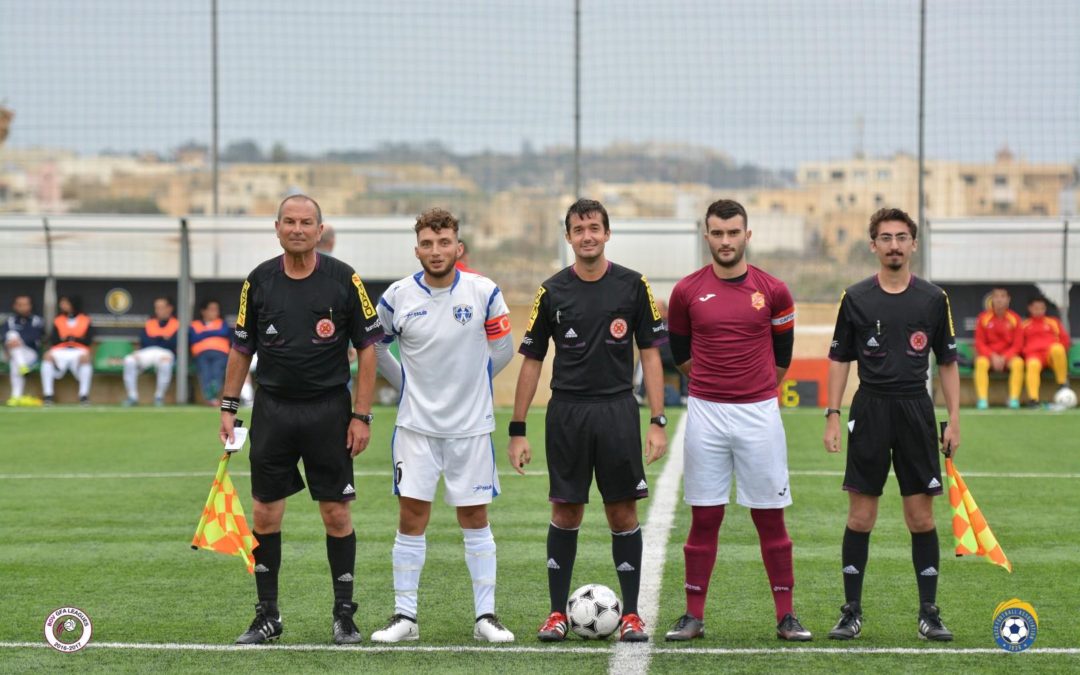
(972,534)
(223,527)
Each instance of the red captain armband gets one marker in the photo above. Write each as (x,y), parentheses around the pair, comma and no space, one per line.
(498,327)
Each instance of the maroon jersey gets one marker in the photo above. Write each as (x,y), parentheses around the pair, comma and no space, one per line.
(731,326)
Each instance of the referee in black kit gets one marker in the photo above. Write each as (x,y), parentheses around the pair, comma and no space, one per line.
(890,323)
(300,311)
(594,311)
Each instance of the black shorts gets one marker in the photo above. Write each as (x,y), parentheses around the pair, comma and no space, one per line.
(905,426)
(601,436)
(285,431)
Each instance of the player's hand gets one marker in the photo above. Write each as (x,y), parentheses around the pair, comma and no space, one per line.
(950,440)
(225,432)
(655,443)
(997,361)
(832,434)
(520,453)
(357,438)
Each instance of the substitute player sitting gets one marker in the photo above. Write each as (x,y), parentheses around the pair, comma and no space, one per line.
(453,332)
(157,350)
(998,341)
(890,323)
(23,331)
(1046,343)
(71,338)
(732,331)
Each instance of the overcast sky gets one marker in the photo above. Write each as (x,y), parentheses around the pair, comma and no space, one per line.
(771,82)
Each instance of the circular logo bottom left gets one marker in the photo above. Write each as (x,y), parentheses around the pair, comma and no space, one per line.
(68,629)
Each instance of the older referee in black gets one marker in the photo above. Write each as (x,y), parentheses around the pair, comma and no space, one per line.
(300,311)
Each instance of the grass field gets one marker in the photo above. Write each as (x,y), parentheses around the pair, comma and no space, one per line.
(97,508)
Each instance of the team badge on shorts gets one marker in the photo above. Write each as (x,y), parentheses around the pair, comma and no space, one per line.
(325,328)
(918,340)
(757,300)
(463,313)
(618,328)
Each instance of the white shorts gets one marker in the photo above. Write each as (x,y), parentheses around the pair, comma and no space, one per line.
(466,464)
(22,354)
(746,439)
(66,359)
(150,357)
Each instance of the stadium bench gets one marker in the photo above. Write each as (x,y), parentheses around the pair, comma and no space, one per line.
(109,357)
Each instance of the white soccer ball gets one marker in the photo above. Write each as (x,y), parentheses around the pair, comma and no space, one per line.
(69,625)
(594,611)
(1066,398)
(1014,630)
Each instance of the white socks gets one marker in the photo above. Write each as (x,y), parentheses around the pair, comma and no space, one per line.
(48,377)
(131,376)
(85,373)
(408,555)
(480,559)
(164,377)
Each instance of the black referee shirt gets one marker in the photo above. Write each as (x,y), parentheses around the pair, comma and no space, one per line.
(891,334)
(301,328)
(592,324)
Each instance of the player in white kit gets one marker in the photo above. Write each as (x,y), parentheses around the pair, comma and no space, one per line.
(453,333)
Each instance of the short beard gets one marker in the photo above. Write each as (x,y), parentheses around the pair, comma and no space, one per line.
(728,265)
(894,265)
(434,275)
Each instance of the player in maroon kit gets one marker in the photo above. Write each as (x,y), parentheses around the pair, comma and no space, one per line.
(731,327)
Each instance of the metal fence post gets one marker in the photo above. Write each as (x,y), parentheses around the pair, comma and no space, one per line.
(49,301)
(183,307)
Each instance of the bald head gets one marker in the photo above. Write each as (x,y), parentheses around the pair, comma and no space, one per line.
(318,209)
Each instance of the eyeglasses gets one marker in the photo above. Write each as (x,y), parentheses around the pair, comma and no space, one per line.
(890,238)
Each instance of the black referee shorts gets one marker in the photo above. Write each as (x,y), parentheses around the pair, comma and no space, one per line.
(602,436)
(284,431)
(904,426)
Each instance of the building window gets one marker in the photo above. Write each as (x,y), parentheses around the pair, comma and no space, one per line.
(813,174)
(968,178)
(859,174)
(841,236)
(837,174)
(884,174)
(1038,209)
(879,200)
(1001,181)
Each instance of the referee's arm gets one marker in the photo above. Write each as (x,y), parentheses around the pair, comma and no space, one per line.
(236,371)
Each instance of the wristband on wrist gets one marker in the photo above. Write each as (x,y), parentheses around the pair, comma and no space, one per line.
(517,429)
(230,404)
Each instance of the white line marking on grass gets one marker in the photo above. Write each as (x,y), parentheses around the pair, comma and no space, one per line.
(551,651)
(190,474)
(967,474)
(634,658)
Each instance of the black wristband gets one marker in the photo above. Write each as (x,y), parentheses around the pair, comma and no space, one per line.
(517,429)
(230,404)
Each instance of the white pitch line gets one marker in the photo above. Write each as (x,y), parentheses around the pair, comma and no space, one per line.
(187,474)
(203,474)
(550,651)
(634,658)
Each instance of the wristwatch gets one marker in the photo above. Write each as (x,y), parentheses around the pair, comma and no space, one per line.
(366,419)
(830,411)
(660,420)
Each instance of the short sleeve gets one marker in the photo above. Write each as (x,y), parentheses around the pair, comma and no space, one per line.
(246,318)
(651,331)
(678,318)
(497,318)
(783,310)
(944,333)
(364,326)
(842,347)
(386,310)
(538,331)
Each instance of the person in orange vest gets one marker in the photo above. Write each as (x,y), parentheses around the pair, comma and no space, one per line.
(210,340)
(1045,343)
(157,349)
(71,338)
(998,341)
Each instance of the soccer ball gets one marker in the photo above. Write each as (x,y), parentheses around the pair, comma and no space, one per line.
(594,611)
(1065,397)
(69,625)
(1014,630)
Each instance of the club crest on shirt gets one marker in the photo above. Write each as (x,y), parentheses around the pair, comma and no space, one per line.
(618,328)
(918,340)
(463,313)
(757,300)
(324,328)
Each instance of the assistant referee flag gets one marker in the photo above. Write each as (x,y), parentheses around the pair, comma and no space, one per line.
(970,530)
(223,527)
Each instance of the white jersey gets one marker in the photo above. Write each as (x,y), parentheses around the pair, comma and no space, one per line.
(443,336)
